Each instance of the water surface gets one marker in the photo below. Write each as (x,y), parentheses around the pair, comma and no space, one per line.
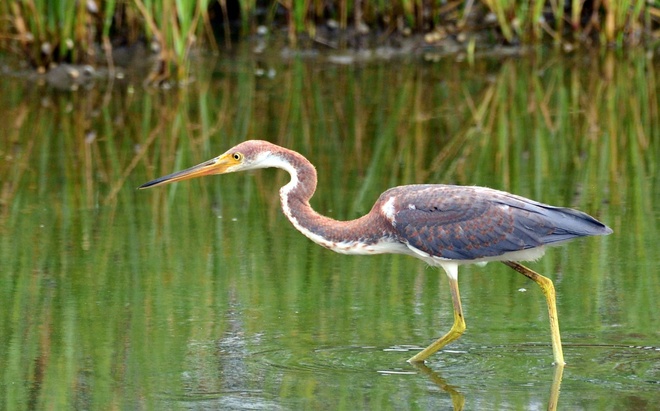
(201,295)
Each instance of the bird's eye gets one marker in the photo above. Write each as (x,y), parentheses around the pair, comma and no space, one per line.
(237,156)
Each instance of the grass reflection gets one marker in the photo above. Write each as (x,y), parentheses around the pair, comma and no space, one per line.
(113,297)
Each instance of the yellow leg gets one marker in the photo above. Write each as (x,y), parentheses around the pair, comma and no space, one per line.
(456,329)
(549,291)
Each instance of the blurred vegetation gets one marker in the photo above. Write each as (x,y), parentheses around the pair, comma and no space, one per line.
(45,33)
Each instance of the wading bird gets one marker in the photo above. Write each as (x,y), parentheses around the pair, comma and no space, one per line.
(442,225)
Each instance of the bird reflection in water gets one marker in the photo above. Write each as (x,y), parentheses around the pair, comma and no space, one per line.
(458,399)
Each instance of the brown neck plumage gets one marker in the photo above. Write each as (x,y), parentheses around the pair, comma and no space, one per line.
(323,230)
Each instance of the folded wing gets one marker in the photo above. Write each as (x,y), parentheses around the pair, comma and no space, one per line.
(467,223)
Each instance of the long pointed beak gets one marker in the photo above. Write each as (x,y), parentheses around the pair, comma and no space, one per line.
(218,165)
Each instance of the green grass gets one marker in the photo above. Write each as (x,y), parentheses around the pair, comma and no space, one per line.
(45,32)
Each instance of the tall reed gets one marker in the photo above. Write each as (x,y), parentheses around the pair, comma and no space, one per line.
(46,32)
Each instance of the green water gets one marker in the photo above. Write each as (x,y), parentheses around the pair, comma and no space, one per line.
(201,295)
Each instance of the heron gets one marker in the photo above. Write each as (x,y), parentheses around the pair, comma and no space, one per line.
(443,225)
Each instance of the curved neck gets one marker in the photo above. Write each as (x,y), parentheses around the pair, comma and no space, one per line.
(354,236)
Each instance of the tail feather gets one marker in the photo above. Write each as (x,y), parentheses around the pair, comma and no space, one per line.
(569,223)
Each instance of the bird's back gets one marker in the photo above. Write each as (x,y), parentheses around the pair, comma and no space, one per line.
(472,223)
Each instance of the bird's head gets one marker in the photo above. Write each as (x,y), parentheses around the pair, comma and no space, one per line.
(249,155)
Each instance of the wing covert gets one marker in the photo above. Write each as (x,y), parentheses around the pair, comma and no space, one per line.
(467,223)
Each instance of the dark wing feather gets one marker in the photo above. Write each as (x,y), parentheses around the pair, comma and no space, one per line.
(466,223)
